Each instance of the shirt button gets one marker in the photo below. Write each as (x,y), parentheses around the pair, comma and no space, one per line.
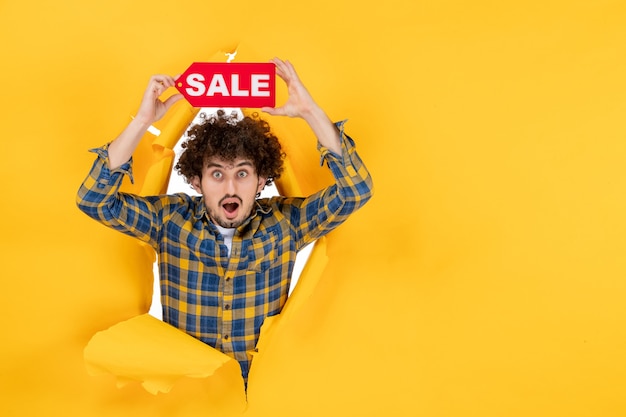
(227,279)
(225,337)
(227,307)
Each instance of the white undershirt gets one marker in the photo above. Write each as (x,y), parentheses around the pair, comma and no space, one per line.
(228,234)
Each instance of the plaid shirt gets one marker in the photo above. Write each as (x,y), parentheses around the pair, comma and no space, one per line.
(218,299)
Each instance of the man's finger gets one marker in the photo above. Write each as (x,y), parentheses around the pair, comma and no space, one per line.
(274,111)
(169,102)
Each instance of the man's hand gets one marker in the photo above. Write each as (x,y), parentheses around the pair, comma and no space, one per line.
(300,103)
(152,108)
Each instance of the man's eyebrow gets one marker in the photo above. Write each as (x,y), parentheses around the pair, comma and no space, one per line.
(240,164)
(214,164)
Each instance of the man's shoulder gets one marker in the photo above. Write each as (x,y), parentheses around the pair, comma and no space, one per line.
(179,202)
(276,203)
(180,198)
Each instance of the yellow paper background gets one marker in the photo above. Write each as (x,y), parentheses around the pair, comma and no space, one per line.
(486,277)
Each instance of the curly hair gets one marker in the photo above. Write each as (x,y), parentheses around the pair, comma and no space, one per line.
(228,138)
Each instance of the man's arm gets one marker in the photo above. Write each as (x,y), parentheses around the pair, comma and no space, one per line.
(99,195)
(151,109)
(353,184)
(301,104)
(319,213)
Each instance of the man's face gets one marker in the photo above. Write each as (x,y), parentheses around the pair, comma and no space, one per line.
(229,189)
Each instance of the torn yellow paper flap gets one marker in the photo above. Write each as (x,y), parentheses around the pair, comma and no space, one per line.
(154,353)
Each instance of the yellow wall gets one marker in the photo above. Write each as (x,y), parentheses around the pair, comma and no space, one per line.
(485,278)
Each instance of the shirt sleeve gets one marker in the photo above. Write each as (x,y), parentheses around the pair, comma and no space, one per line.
(323,211)
(99,197)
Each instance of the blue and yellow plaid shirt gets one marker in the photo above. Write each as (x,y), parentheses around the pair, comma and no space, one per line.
(218,299)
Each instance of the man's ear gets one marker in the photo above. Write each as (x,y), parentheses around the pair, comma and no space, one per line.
(262,182)
(195,183)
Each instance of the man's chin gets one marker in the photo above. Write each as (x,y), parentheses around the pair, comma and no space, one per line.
(228,223)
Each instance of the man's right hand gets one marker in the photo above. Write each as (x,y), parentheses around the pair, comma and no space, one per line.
(152,108)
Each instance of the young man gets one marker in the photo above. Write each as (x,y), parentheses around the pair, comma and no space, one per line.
(226,257)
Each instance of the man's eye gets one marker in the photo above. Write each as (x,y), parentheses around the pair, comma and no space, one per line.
(217,175)
(243,174)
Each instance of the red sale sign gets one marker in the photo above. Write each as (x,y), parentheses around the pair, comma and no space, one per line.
(212,84)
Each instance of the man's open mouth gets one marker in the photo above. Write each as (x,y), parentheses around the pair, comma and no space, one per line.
(231,206)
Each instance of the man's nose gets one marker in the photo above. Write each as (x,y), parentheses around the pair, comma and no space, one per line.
(230,186)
